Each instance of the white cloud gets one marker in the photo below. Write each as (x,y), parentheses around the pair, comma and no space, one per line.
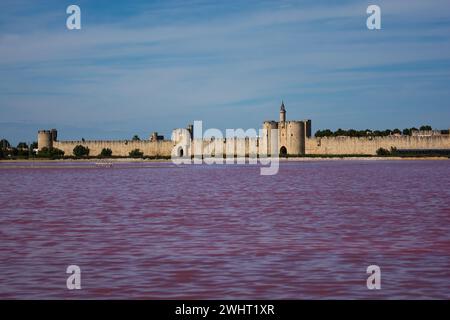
(135,68)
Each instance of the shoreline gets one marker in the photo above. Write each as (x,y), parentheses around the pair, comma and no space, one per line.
(290,159)
(374,158)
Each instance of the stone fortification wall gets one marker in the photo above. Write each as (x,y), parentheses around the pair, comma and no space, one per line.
(355,145)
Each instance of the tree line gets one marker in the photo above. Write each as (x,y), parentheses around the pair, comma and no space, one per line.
(25,151)
(22,150)
(81,151)
(369,133)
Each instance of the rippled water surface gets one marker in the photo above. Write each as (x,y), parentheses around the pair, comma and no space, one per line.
(154,230)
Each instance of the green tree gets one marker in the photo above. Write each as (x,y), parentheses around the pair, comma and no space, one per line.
(136,153)
(426,128)
(52,153)
(396,131)
(80,151)
(34,145)
(13,152)
(4,144)
(136,138)
(383,152)
(22,145)
(406,132)
(106,152)
(340,132)
(23,152)
(393,151)
(324,133)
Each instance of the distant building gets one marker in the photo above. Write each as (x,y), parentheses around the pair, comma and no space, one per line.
(291,134)
(155,137)
(428,133)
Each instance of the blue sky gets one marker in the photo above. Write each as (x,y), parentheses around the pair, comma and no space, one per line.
(142,66)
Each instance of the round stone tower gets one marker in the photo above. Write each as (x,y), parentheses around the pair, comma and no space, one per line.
(45,139)
(54,134)
(269,126)
(295,137)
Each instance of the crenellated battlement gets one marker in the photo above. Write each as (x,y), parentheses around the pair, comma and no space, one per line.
(294,138)
(370,145)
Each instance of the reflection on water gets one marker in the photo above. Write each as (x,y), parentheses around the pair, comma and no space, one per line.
(153,230)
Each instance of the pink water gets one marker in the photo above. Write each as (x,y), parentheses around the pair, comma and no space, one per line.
(156,231)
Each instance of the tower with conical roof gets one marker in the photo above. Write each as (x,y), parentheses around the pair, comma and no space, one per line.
(282,112)
(291,134)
